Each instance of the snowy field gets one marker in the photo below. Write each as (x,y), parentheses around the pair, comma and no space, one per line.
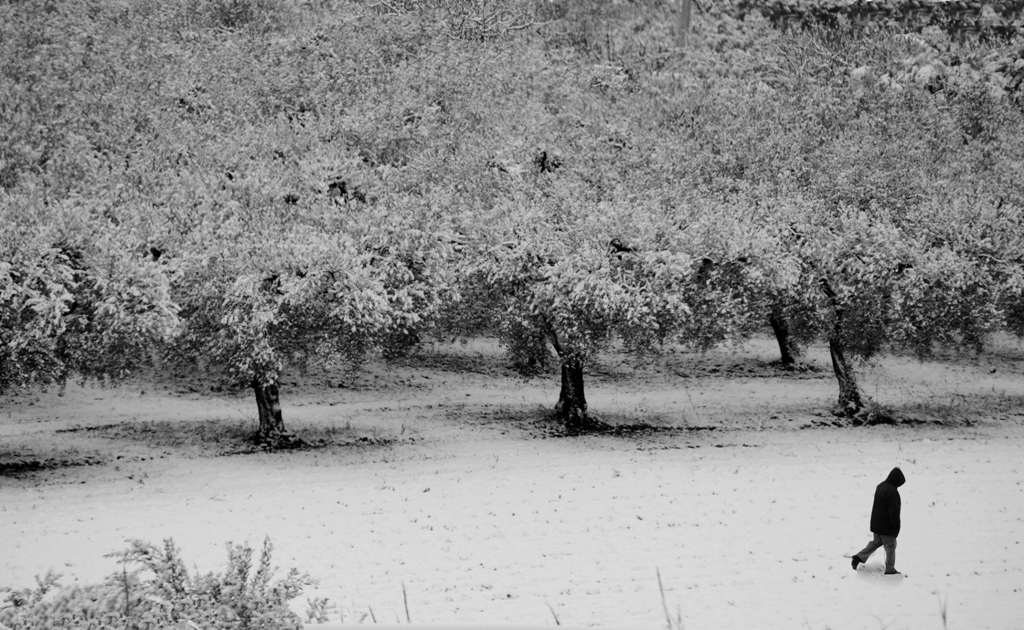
(482,517)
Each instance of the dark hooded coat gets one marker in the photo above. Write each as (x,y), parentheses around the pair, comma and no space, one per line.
(885,512)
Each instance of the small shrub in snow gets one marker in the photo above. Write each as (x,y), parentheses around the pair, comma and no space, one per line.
(161,594)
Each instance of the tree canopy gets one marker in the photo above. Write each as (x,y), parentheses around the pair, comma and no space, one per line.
(77,297)
(258,186)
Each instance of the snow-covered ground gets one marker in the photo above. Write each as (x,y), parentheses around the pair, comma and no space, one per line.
(482,520)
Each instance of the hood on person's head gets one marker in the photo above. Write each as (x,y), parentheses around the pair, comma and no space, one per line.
(896,477)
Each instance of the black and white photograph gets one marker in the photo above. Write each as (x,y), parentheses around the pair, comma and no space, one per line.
(512,314)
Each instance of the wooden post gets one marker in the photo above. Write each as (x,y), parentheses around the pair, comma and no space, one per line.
(683,22)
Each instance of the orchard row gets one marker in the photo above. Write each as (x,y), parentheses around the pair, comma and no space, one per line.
(236,197)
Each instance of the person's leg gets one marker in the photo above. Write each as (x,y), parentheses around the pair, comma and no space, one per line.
(889,542)
(871,548)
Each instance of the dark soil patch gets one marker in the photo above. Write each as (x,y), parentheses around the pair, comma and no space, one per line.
(214,438)
(87,429)
(542,423)
(556,428)
(291,442)
(21,467)
(887,417)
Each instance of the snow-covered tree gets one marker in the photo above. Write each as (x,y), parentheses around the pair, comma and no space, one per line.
(264,286)
(77,296)
(883,283)
(576,278)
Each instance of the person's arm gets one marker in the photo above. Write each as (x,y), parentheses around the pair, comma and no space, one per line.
(894,511)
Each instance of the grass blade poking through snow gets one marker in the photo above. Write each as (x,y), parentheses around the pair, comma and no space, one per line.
(557,622)
(670,623)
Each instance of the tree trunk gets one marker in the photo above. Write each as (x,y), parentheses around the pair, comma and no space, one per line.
(683,22)
(788,348)
(850,399)
(572,402)
(268,402)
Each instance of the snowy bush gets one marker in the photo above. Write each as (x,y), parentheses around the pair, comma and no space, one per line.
(161,594)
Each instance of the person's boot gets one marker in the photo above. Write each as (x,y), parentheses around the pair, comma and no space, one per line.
(856,562)
(892,572)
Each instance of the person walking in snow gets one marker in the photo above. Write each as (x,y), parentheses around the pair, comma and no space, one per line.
(885,522)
